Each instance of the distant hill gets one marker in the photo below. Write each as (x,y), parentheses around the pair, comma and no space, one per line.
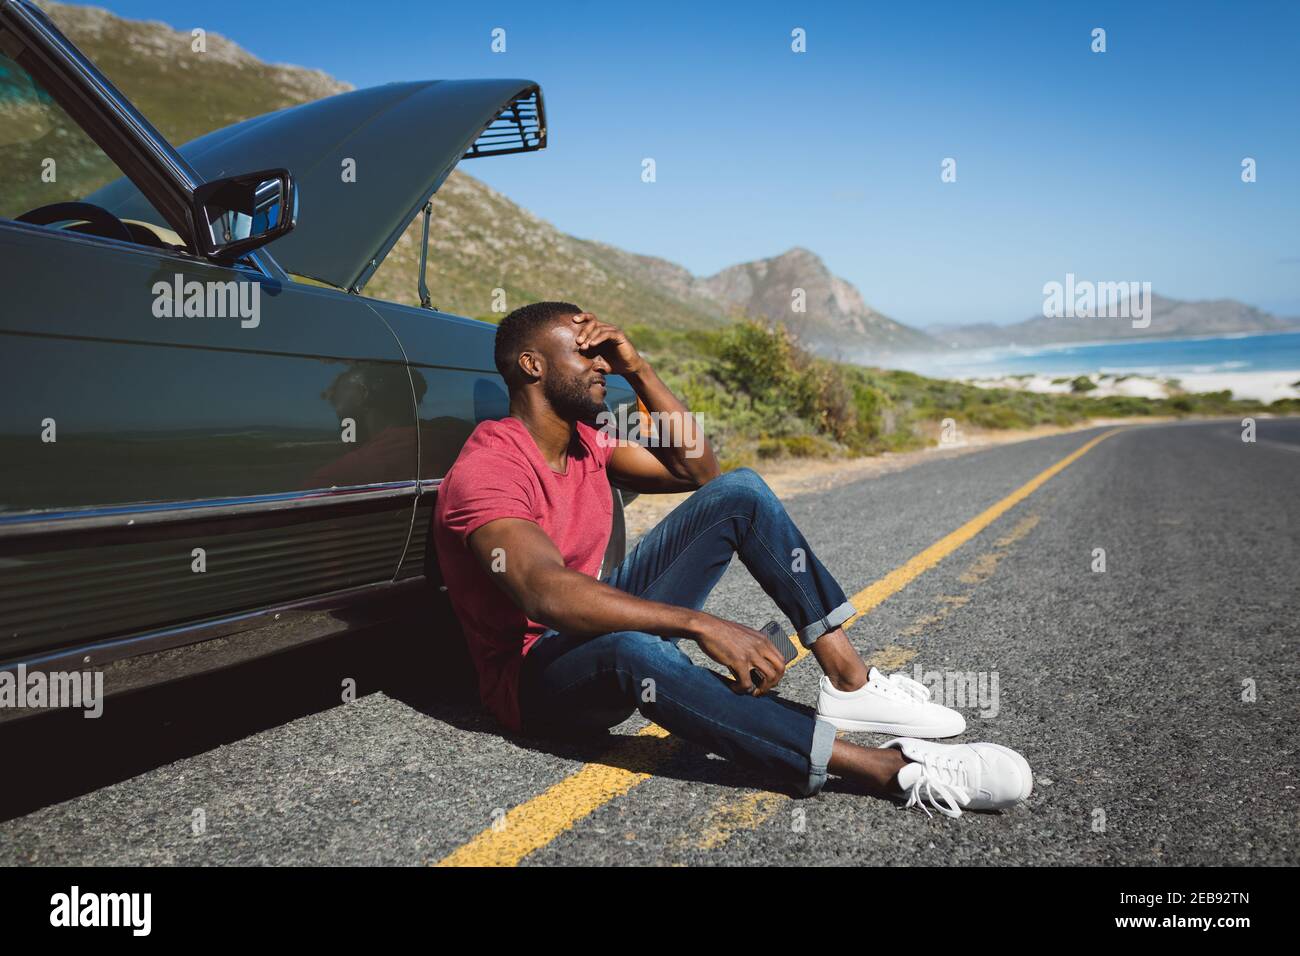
(1170,318)
(187,93)
(835,321)
(479,240)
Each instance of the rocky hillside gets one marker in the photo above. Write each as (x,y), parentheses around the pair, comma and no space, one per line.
(480,240)
(836,320)
(186,94)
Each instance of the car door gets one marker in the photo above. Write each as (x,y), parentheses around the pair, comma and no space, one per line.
(163,470)
(184,441)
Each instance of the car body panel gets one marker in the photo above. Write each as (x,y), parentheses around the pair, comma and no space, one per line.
(248,410)
(133,443)
(61,590)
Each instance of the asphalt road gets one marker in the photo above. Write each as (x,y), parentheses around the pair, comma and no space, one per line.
(1124,689)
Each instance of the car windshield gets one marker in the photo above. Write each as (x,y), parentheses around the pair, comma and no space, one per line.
(44,155)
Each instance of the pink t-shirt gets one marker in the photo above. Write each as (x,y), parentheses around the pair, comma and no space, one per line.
(500,473)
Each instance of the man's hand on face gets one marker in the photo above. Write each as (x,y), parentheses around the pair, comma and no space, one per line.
(594,335)
(741,649)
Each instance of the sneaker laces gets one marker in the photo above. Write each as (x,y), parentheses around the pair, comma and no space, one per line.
(943,781)
(900,687)
(913,687)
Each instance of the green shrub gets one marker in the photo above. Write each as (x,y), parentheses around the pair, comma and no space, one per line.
(997,416)
(808,446)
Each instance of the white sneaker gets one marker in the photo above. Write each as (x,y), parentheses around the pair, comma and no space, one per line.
(953,776)
(888,705)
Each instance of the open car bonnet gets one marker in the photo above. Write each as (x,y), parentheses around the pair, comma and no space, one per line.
(365,163)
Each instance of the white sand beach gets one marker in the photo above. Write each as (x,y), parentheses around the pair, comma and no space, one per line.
(1266,386)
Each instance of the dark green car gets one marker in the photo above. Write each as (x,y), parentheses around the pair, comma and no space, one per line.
(207,430)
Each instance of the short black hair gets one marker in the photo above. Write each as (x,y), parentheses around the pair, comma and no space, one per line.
(516,331)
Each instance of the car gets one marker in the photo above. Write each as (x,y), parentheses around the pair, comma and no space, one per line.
(211,437)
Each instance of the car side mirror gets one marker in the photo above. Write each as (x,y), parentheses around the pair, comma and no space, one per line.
(238,214)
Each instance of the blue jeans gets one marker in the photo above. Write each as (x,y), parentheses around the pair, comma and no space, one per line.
(573,684)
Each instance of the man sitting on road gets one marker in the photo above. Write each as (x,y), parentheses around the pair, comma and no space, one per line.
(522,521)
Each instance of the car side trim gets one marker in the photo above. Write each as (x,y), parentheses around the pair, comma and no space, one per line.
(152,513)
(156,657)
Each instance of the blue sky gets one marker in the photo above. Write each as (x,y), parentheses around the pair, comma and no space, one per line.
(1116,166)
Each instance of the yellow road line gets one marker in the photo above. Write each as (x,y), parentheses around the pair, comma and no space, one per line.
(872,596)
(731,816)
(532,825)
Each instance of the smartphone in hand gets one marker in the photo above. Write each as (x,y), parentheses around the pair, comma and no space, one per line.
(775,633)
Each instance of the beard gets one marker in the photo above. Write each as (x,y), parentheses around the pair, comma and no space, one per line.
(571,399)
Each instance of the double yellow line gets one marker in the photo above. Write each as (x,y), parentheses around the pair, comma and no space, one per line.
(532,825)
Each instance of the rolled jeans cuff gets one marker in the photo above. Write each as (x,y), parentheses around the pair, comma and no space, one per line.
(808,634)
(819,756)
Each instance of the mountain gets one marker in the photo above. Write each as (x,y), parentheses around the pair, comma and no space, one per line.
(834,320)
(479,240)
(187,93)
(1170,318)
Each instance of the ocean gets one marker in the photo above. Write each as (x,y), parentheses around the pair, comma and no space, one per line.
(1208,355)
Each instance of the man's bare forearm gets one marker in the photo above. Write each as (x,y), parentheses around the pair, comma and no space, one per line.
(584,607)
(574,603)
(685,451)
